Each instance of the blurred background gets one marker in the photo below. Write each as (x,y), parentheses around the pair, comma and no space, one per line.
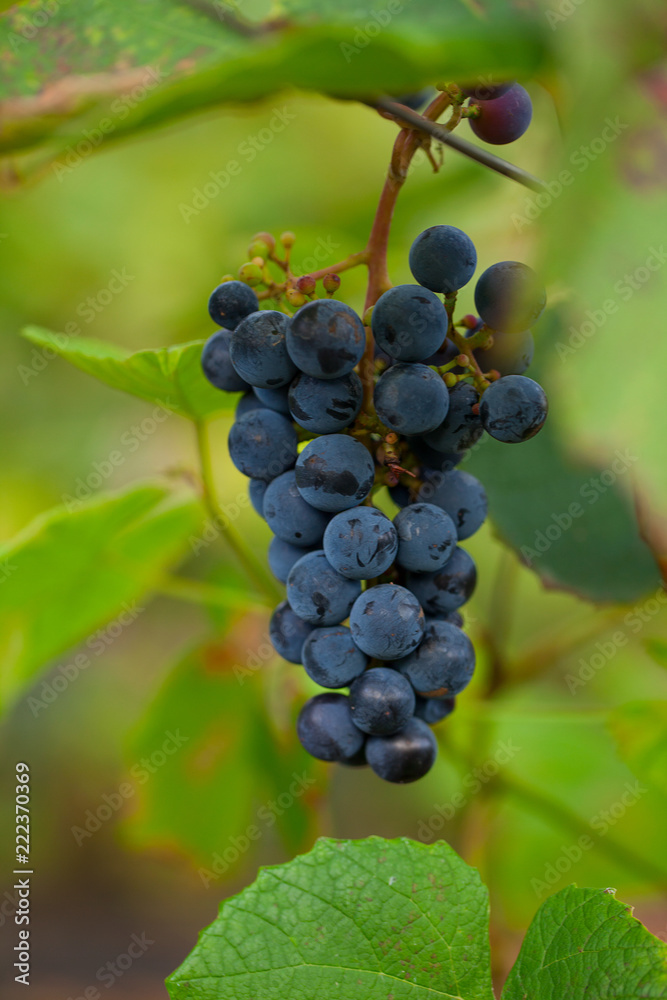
(552,768)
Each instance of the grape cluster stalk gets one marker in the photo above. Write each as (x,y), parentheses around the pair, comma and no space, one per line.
(343,419)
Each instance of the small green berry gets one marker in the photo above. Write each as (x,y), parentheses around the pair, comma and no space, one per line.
(251,274)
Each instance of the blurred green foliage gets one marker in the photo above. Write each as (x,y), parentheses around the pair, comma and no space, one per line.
(171,215)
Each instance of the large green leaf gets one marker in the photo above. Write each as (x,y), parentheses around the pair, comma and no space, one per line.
(170,377)
(86,62)
(397,919)
(367,918)
(71,571)
(232,769)
(583,943)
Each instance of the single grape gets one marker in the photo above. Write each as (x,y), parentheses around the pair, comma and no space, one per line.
(443,258)
(274,399)
(360,543)
(433,461)
(217,366)
(487,90)
(330,657)
(387,621)
(426,537)
(256,491)
(289,516)
(326,339)
(262,444)
(259,352)
(461,428)
(230,303)
(282,556)
(247,403)
(404,756)
(326,730)
(409,322)
(513,409)
(446,589)
(433,710)
(504,118)
(334,472)
(317,593)
(288,633)
(325,406)
(411,399)
(455,617)
(509,296)
(460,495)
(381,701)
(510,353)
(443,664)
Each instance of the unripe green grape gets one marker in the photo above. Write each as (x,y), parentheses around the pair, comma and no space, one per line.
(251,274)
(331,283)
(261,245)
(295,297)
(288,240)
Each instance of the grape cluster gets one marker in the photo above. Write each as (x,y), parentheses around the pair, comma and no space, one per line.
(372,603)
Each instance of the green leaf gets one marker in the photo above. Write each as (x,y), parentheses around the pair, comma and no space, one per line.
(216,798)
(640,731)
(179,60)
(71,571)
(583,943)
(367,918)
(170,377)
(570,520)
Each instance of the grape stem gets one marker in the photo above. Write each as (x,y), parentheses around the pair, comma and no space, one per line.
(424,124)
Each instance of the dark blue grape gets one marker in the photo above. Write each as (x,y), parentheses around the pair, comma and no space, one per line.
(443,259)
(360,543)
(256,491)
(274,399)
(325,406)
(381,701)
(405,756)
(330,657)
(217,366)
(317,593)
(411,399)
(400,495)
(446,589)
(509,296)
(289,516)
(510,354)
(460,495)
(487,89)
(455,617)
(326,731)
(426,537)
(409,322)
(230,303)
(262,444)
(431,459)
(513,409)
(288,633)
(259,352)
(247,403)
(443,664)
(433,710)
(282,557)
(326,339)
(503,118)
(334,472)
(387,622)
(461,428)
